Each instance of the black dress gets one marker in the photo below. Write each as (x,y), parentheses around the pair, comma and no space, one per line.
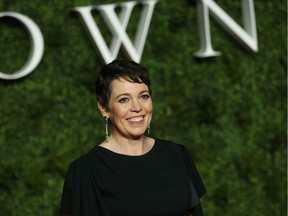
(162,182)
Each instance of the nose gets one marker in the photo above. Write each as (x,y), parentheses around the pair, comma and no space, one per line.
(135,106)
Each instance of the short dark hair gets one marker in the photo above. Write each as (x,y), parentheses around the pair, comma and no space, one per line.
(126,69)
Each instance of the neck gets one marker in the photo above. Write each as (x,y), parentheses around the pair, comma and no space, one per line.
(128,146)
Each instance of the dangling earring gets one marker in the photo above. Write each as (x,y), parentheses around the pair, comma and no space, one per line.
(106,128)
(148,131)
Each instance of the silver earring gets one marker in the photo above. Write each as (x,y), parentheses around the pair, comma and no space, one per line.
(106,128)
(148,129)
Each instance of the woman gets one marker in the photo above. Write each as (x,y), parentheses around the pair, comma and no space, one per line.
(130,174)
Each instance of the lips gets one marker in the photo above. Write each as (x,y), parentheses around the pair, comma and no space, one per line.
(136,119)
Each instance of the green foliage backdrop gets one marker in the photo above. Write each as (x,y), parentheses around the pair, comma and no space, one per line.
(230,111)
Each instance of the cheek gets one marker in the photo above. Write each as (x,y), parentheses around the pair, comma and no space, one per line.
(149,107)
(119,112)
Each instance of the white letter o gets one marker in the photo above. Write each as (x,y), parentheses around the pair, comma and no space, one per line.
(36,51)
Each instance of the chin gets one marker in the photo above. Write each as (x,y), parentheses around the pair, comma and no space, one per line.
(137,135)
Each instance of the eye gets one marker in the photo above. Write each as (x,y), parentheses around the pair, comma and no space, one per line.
(145,96)
(123,100)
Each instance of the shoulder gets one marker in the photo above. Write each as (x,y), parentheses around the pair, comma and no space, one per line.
(179,151)
(171,145)
(83,162)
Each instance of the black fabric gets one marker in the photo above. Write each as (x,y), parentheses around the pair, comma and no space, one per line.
(162,182)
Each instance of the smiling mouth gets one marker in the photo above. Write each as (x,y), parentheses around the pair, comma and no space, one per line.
(136,119)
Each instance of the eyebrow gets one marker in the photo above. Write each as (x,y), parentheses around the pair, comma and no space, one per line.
(127,94)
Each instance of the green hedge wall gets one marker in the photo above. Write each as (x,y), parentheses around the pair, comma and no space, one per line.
(230,111)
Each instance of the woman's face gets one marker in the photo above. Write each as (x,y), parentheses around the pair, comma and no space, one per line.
(129,108)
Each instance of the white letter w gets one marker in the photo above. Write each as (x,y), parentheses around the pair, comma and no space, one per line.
(117,26)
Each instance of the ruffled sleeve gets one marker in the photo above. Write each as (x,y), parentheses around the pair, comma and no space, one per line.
(196,185)
(81,195)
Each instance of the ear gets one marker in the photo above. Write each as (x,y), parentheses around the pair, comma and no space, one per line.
(103,110)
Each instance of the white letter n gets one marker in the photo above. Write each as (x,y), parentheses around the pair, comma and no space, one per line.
(246,36)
